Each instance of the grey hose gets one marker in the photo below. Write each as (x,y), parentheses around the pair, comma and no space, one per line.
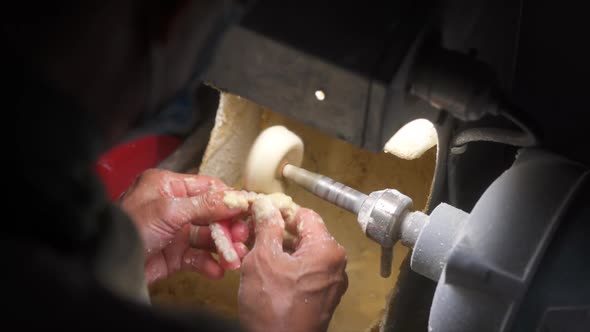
(522,138)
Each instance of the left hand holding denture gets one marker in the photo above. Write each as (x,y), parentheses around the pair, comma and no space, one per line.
(182,220)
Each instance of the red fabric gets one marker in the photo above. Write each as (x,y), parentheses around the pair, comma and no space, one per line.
(121,165)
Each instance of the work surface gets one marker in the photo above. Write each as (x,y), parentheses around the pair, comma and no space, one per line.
(362,305)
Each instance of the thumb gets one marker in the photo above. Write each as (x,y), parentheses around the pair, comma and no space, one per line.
(268,225)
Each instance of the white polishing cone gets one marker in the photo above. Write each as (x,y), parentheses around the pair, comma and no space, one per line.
(273,148)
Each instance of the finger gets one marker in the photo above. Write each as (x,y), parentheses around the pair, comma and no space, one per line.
(221,236)
(285,205)
(155,268)
(202,262)
(185,185)
(308,225)
(241,249)
(239,199)
(200,238)
(240,231)
(268,225)
(198,210)
(174,250)
(199,184)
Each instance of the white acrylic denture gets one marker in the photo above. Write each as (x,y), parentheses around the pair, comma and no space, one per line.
(244,199)
(223,244)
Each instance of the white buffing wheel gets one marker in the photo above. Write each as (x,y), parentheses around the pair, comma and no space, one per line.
(273,148)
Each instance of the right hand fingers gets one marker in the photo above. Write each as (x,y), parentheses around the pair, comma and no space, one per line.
(308,226)
(268,226)
(314,239)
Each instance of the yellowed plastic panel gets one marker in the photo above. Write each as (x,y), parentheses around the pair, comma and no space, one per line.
(363,303)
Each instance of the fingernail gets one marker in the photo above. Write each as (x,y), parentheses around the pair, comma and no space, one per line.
(264,210)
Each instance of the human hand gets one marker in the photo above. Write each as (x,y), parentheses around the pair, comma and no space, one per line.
(290,292)
(175,215)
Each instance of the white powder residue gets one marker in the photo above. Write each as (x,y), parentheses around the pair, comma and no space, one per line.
(251,196)
(244,199)
(285,204)
(236,199)
(363,222)
(300,227)
(264,210)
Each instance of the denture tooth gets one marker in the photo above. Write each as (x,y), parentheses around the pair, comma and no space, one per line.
(236,199)
(223,244)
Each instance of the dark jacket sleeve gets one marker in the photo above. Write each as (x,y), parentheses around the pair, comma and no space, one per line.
(48,292)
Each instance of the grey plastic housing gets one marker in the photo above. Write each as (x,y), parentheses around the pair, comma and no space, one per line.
(489,269)
(436,240)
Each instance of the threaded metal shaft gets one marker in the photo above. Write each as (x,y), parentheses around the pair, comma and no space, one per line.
(326,188)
